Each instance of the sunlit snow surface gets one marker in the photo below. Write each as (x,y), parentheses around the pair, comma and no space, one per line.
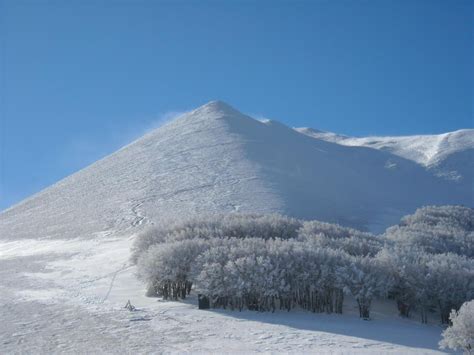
(68,296)
(449,155)
(64,269)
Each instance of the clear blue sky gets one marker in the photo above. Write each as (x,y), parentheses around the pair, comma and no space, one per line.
(79,79)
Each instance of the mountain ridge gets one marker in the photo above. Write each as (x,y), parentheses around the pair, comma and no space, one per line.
(381,142)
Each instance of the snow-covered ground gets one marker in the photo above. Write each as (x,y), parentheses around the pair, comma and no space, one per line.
(68,296)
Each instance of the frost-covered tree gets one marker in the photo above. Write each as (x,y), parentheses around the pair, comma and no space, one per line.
(365,278)
(400,264)
(166,267)
(266,274)
(233,225)
(352,241)
(413,279)
(240,273)
(437,230)
(212,277)
(460,335)
(457,217)
(268,262)
(428,281)
(143,241)
(452,282)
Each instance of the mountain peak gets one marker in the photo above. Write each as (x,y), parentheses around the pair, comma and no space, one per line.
(217,106)
(212,111)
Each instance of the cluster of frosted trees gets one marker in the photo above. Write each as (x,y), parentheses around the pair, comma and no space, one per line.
(274,262)
(430,256)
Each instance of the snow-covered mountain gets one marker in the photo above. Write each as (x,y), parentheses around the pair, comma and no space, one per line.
(215,159)
(64,253)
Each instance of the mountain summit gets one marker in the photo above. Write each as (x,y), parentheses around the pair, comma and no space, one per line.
(215,160)
(217,106)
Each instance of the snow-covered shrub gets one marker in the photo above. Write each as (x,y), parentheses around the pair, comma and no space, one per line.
(460,335)
(352,241)
(437,230)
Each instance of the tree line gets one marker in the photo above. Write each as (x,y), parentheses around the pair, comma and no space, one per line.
(269,262)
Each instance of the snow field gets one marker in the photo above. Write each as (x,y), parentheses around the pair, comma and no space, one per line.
(55,301)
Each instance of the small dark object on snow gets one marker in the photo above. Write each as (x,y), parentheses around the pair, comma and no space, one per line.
(203,302)
(130,306)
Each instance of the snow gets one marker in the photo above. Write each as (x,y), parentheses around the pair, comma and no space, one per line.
(423,149)
(431,151)
(215,159)
(68,296)
(64,269)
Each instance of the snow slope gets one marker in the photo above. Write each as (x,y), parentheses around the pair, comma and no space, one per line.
(64,268)
(450,154)
(67,296)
